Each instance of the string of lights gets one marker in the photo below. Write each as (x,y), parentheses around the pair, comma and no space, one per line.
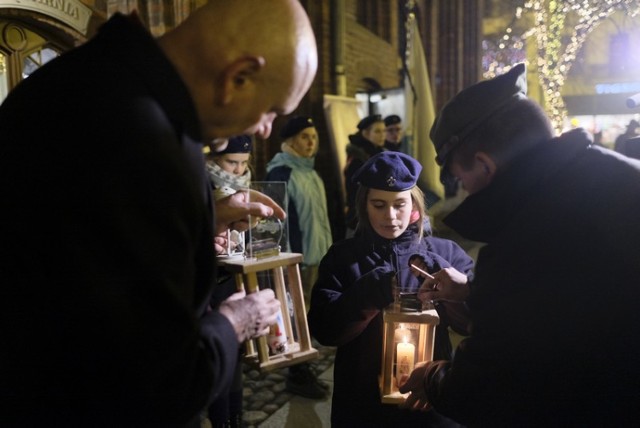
(554,22)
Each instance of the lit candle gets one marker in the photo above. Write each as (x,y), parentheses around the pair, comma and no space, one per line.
(401,334)
(405,359)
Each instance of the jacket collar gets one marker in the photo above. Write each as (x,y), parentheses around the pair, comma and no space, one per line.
(148,62)
(407,238)
(482,216)
(357,141)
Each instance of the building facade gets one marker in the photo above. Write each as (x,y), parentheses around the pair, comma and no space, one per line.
(361,46)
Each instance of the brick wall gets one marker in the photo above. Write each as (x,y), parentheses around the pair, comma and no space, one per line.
(367,55)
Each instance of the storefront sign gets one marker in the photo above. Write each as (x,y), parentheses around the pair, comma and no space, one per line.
(71,12)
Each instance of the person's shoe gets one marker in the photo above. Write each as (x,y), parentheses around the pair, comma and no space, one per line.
(306,386)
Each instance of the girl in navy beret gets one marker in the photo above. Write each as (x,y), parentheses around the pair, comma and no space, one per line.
(355,284)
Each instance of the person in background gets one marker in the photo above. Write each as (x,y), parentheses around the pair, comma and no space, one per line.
(365,143)
(559,216)
(355,284)
(106,275)
(620,145)
(309,228)
(229,172)
(394,135)
(632,147)
(228,169)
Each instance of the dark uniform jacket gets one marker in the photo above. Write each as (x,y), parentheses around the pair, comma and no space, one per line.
(555,300)
(353,287)
(106,244)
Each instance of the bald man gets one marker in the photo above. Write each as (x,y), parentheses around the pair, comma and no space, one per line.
(107,233)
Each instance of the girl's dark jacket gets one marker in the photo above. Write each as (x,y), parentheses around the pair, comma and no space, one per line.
(353,286)
(555,299)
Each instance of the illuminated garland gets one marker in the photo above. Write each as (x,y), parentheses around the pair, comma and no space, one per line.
(554,63)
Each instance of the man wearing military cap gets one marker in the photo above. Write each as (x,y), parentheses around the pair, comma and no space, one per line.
(554,303)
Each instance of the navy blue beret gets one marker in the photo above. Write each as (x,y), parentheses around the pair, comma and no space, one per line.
(472,106)
(296,125)
(368,121)
(393,119)
(388,170)
(237,144)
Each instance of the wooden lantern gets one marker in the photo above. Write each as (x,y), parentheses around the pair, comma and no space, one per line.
(281,273)
(408,338)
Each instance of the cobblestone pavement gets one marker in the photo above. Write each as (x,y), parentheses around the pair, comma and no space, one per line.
(265,392)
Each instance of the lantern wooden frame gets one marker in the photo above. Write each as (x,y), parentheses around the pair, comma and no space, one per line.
(246,277)
(422,327)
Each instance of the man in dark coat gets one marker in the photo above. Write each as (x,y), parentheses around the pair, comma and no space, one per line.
(554,302)
(106,249)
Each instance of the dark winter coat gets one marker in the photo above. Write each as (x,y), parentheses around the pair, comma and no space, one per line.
(353,287)
(106,254)
(555,300)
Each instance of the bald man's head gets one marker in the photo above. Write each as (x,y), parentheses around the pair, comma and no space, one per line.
(244,62)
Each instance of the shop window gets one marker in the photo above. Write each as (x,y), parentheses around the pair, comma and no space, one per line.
(22,52)
(619,53)
(36,60)
(4,77)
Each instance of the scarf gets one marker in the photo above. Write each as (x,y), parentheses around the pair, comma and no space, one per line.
(224,183)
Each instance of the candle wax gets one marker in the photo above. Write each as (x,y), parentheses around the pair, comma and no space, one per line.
(405,359)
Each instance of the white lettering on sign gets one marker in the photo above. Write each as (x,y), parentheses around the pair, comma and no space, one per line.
(71,12)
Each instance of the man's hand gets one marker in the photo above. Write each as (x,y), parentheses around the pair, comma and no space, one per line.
(417,400)
(220,243)
(447,284)
(224,243)
(251,314)
(234,211)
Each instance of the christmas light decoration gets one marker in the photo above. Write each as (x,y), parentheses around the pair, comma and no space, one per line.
(553,22)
